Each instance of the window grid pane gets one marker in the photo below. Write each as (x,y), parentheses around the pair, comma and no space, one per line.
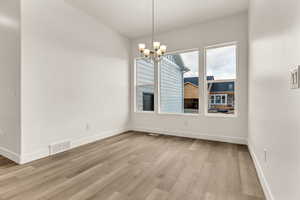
(144,85)
(221,76)
(179,79)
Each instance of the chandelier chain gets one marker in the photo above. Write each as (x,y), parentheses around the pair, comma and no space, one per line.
(153,19)
(157,52)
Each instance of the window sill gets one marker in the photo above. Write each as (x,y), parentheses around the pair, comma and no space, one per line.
(210,115)
(180,114)
(144,112)
(221,115)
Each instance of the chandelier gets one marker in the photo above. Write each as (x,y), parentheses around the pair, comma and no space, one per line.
(158,50)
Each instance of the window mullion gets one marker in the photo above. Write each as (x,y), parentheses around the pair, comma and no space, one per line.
(156,89)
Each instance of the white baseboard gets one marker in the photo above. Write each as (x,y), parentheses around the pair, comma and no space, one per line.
(234,140)
(261,176)
(93,138)
(9,154)
(42,153)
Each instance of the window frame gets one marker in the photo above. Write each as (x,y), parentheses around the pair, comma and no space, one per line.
(206,82)
(199,79)
(203,90)
(135,89)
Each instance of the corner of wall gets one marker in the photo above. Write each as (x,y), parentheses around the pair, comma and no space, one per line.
(262,179)
(10,155)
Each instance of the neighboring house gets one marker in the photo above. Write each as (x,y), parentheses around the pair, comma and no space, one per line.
(220,95)
(171,84)
(145,85)
(191,94)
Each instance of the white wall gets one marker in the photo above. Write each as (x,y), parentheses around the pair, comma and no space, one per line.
(234,28)
(274,117)
(75,72)
(10,78)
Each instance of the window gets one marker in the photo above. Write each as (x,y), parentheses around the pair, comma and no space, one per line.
(179,83)
(218,99)
(221,64)
(148,101)
(174,84)
(144,85)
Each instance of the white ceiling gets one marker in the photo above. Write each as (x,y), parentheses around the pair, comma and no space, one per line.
(132,18)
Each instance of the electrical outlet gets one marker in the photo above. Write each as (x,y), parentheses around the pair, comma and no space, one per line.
(295,77)
(265,155)
(87,127)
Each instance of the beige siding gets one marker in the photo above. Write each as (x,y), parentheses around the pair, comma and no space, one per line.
(191,91)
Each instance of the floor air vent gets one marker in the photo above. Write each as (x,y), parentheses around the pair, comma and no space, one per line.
(59,147)
(153,134)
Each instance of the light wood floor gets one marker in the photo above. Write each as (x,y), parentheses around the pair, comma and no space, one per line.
(135,166)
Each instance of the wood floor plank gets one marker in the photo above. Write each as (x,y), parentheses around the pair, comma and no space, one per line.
(157,194)
(117,196)
(248,174)
(136,166)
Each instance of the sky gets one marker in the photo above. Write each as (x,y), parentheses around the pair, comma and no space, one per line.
(221,63)
(191,61)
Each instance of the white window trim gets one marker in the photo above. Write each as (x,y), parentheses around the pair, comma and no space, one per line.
(199,88)
(135,88)
(203,93)
(206,96)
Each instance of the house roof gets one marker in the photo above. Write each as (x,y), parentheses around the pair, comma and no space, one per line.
(177,59)
(216,87)
(188,83)
(193,80)
(210,78)
(222,87)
